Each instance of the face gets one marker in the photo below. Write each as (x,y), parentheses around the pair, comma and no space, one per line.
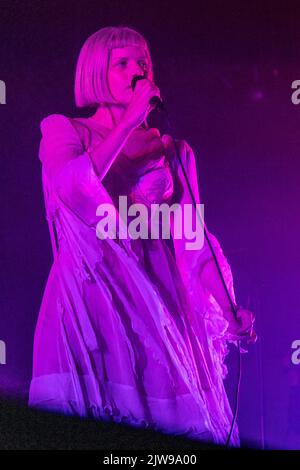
(125,63)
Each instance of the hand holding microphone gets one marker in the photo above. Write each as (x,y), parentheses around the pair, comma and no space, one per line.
(155,101)
(145,97)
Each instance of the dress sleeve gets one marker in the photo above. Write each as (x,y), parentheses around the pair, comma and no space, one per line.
(69,168)
(192,261)
(206,316)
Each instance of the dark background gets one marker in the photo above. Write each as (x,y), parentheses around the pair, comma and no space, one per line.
(225,71)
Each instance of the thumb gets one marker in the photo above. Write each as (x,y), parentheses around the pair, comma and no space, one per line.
(166,139)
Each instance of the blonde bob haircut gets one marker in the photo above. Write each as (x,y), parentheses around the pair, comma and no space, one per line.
(91,86)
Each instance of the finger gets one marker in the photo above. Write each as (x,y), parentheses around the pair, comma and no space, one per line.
(245,317)
(154,90)
(166,139)
(154,132)
(246,328)
(253,337)
(150,108)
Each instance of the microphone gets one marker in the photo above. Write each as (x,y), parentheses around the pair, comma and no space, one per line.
(155,100)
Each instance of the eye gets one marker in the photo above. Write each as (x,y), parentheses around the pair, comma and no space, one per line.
(122,63)
(142,64)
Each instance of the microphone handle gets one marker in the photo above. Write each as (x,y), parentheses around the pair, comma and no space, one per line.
(157,102)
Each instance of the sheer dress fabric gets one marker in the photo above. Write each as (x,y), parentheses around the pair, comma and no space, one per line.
(126,331)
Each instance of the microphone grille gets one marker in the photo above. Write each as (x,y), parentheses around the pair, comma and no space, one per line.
(136,79)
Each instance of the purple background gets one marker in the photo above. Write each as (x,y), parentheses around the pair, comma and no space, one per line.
(225,72)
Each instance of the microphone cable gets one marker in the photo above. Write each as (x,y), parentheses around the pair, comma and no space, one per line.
(159,106)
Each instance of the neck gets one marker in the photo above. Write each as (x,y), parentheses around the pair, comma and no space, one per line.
(109,115)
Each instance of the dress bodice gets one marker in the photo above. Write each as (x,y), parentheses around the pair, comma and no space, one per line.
(154,183)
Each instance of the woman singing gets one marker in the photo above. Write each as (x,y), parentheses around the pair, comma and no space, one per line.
(130,330)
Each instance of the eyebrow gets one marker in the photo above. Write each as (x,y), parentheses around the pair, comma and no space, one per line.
(122,58)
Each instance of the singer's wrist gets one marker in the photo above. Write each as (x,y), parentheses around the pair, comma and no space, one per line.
(125,125)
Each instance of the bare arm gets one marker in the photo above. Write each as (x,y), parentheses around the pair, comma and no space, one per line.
(104,154)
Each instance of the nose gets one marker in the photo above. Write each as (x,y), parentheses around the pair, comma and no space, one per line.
(136,70)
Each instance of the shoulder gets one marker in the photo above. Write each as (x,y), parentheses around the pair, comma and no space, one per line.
(58,120)
(57,124)
(53,120)
(60,125)
(75,129)
(60,134)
